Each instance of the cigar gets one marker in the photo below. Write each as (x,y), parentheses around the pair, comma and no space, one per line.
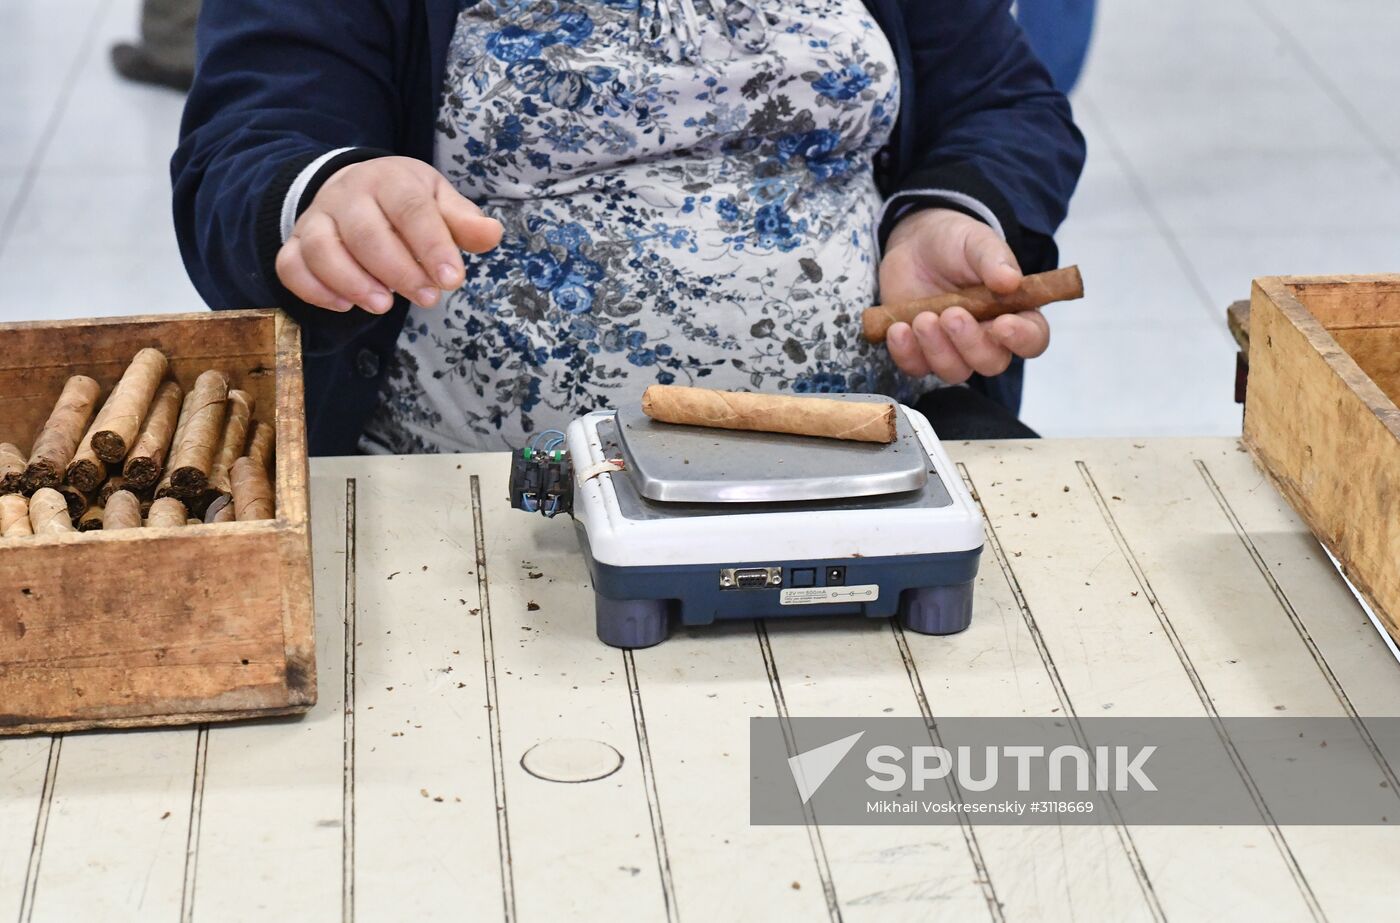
(48,513)
(123,511)
(119,422)
(167,512)
(1036,291)
(12,465)
(235,439)
(86,471)
(115,483)
(220,510)
(147,459)
(263,445)
(771,413)
(14,516)
(196,437)
(77,501)
(91,521)
(252,491)
(58,440)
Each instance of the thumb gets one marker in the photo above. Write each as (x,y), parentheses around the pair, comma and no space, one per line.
(473,231)
(991,259)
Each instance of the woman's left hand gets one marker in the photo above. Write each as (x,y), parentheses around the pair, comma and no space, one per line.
(937,250)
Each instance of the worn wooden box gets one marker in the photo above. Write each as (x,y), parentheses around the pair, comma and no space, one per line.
(156,627)
(1321,417)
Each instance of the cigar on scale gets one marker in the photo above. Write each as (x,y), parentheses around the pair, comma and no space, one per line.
(1036,291)
(167,512)
(147,459)
(119,422)
(262,446)
(234,440)
(771,413)
(123,511)
(14,516)
(12,465)
(58,440)
(91,521)
(252,491)
(197,437)
(48,513)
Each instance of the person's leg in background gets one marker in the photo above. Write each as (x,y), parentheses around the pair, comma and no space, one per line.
(165,54)
(1059,32)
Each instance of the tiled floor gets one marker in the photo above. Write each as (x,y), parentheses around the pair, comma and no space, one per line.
(1228,139)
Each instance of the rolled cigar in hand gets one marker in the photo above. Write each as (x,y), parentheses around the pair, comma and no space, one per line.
(58,440)
(123,511)
(252,491)
(771,413)
(117,426)
(48,513)
(14,516)
(197,437)
(1036,291)
(12,465)
(167,512)
(234,441)
(262,446)
(148,455)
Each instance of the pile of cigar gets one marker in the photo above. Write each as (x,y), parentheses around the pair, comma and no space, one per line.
(153,456)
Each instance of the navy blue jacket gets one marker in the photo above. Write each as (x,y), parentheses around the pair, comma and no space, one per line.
(278,84)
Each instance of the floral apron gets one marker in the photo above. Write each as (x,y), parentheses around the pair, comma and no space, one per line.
(687,194)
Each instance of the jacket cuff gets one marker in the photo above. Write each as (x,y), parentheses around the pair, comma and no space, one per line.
(289,193)
(958,186)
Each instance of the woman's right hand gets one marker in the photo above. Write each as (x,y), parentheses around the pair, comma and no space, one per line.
(393,224)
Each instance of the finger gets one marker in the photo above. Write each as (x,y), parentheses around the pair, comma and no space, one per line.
(473,231)
(326,256)
(416,218)
(985,355)
(942,357)
(371,240)
(905,352)
(1026,334)
(302,282)
(992,260)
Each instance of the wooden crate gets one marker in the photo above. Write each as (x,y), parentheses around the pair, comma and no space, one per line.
(141,627)
(1321,417)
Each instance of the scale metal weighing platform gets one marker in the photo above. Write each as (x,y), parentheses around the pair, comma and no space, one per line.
(706,524)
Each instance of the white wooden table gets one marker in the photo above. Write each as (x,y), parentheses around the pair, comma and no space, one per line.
(1160,577)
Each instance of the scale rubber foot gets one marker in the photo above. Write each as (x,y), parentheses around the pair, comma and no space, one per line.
(939,610)
(633,623)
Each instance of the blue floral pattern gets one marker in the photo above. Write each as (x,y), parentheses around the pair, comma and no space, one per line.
(665,222)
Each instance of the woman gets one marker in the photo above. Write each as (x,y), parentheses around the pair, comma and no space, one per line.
(693,191)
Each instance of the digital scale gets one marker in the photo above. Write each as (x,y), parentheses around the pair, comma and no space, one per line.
(699,525)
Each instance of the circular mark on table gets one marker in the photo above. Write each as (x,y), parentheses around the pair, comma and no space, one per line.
(571,759)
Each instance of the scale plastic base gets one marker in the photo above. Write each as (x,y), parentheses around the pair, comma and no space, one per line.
(637,623)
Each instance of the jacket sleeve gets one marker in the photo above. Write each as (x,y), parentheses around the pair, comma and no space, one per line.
(991,135)
(284,94)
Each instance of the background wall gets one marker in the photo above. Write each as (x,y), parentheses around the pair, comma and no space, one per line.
(1228,139)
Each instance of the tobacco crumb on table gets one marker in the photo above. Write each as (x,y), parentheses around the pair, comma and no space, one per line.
(532,606)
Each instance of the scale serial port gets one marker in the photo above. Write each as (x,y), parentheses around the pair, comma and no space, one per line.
(750,578)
